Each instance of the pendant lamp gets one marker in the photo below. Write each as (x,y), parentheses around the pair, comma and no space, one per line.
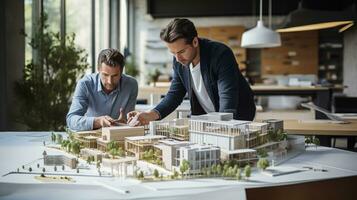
(260,36)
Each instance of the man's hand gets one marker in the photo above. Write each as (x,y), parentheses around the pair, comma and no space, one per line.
(102,121)
(121,119)
(136,118)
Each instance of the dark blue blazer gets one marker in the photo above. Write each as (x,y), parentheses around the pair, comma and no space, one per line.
(225,85)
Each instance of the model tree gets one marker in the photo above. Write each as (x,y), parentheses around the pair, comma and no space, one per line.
(43,170)
(219,169)
(141,175)
(185,166)
(247,171)
(30,169)
(59,138)
(239,174)
(53,137)
(75,147)
(156,173)
(316,142)
(263,163)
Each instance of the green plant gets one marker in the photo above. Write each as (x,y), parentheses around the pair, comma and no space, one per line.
(263,163)
(43,94)
(247,171)
(154,76)
(130,67)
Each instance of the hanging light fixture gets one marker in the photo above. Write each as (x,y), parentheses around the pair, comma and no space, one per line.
(261,36)
(303,19)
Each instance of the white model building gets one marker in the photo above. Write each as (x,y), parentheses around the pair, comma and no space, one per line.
(176,129)
(199,156)
(137,145)
(98,155)
(118,133)
(236,138)
(169,150)
(58,160)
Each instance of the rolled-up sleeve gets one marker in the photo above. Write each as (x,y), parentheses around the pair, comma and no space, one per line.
(76,119)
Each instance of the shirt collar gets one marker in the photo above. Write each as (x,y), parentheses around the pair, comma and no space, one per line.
(100,88)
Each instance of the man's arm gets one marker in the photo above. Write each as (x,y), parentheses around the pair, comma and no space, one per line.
(173,98)
(75,117)
(132,99)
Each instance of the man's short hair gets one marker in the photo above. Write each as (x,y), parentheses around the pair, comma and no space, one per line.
(111,57)
(177,29)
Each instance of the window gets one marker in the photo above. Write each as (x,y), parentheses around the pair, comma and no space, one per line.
(78,18)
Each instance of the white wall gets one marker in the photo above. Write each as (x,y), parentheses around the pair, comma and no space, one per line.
(143,22)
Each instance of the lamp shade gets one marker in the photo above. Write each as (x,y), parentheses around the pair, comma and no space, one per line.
(260,37)
(304,19)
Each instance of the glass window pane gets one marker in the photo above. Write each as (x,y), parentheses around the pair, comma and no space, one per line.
(101,25)
(53,10)
(78,21)
(28,29)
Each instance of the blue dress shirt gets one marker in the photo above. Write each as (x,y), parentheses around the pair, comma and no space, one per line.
(90,101)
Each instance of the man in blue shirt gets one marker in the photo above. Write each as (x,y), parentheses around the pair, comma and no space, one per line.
(207,71)
(103,99)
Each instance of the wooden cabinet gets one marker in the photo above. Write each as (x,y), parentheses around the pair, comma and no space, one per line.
(297,55)
(229,35)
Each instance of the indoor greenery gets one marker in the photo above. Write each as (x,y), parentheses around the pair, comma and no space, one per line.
(49,79)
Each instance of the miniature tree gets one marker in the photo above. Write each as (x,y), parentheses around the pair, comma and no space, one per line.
(59,138)
(30,169)
(263,163)
(53,137)
(121,152)
(247,171)
(214,169)
(219,169)
(43,170)
(176,174)
(112,145)
(75,147)
(262,153)
(316,142)
(23,166)
(98,164)
(113,152)
(141,175)
(239,174)
(89,160)
(185,165)
(308,140)
(156,173)
(38,165)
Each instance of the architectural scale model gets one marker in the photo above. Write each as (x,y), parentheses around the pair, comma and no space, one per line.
(194,146)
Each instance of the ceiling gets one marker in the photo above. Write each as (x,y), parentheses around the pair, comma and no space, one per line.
(206,8)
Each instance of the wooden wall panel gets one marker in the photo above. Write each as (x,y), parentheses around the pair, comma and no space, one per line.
(297,55)
(229,35)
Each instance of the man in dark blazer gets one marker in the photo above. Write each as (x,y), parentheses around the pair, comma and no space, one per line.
(207,71)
